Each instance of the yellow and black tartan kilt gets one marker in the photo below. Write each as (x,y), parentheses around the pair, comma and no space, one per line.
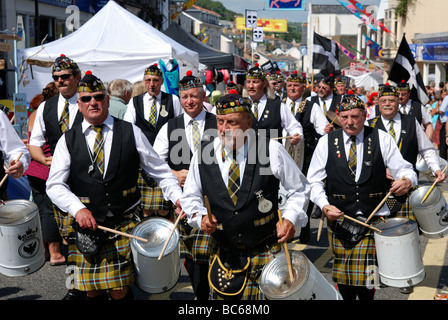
(405,210)
(352,265)
(195,244)
(258,259)
(111,269)
(152,196)
(65,222)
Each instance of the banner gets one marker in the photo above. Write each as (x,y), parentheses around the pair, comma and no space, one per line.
(257,34)
(325,54)
(370,16)
(345,51)
(353,9)
(268,25)
(285,4)
(372,44)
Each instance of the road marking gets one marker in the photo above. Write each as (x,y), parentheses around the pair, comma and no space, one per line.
(433,260)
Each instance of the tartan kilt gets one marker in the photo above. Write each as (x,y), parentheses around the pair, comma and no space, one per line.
(194,243)
(65,222)
(152,196)
(258,259)
(406,209)
(112,268)
(352,265)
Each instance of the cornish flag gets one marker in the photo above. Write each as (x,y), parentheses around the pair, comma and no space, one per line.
(325,54)
(405,68)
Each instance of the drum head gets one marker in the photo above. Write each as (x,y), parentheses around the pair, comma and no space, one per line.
(156,230)
(275,280)
(396,227)
(17,212)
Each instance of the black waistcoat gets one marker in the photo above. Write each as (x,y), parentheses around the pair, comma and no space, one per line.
(342,190)
(310,135)
(118,191)
(416,111)
(51,120)
(242,224)
(178,144)
(408,141)
(270,119)
(149,130)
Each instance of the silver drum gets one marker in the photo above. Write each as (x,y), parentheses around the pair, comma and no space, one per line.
(153,275)
(398,253)
(432,214)
(308,283)
(21,246)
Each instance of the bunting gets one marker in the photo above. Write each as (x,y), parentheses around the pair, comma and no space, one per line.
(354,10)
(345,51)
(370,16)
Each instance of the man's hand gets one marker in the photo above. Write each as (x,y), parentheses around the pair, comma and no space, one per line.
(332,212)
(15,169)
(181,176)
(401,187)
(85,219)
(207,225)
(295,139)
(286,231)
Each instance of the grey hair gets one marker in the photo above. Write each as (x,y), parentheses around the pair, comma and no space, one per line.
(118,87)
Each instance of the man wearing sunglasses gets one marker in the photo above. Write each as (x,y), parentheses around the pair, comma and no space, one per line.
(53,117)
(150,111)
(94,178)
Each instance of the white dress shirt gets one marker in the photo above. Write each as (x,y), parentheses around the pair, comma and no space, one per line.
(161,144)
(282,167)
(289,123)
(317,116)
(10,143)
(130,115)
(59,191)
(425,147)
(392,157)
(38,135)
(426,117)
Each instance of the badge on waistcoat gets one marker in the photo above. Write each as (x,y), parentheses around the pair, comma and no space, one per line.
(163,112)
(264,205)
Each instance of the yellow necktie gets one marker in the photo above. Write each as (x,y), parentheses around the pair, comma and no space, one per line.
(293,107)
(98,148)
(195,134)
(153,113)
(325,108)
(256,110)
(64,120)
(391,129)
(233,185)
(352,156)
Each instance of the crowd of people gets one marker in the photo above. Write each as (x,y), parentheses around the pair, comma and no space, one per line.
(114,154)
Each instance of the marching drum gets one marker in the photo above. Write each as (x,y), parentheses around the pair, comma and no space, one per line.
(432,214)
(21,246)
(398,253)
(308,283)
(153,275)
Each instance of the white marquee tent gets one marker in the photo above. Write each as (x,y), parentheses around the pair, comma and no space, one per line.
(114,43)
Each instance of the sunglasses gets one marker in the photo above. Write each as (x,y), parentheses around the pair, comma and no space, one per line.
(97,97)
(62,76)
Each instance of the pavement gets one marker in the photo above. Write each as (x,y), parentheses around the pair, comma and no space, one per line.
(48,283)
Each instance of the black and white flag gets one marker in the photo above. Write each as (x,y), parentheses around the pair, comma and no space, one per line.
(251,18)
(325,54)
(405,68)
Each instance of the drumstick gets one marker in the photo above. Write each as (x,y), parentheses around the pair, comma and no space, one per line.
(285,245)
(171,234)
(280,138)
(381,204)
(334,120)
(321,225)
(432,187)
(122,233)
(362,223)
(7,175)
(209,210)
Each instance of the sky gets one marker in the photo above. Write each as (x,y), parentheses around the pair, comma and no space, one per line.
(240,6)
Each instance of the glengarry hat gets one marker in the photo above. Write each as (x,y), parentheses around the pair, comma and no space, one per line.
(189,81)
(63,63)
(90,83)
(231,103)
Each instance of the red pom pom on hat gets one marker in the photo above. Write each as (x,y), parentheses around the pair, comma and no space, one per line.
(189,73)
(402,81)
(88,72)
(62,55)
(233,91)
(257,65)
(295,71)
